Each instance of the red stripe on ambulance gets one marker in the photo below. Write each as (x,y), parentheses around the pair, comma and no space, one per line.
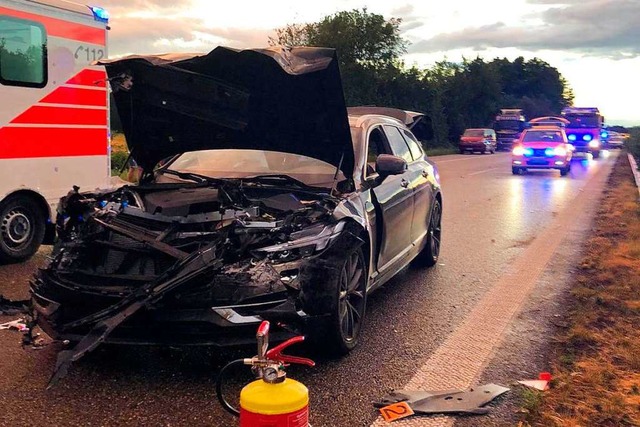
(25,142)
(62,116)
(89,77)
(77,96)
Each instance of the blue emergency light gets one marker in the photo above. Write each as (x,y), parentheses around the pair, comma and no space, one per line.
(571,137)
(587,137)
(528,152)
(99,14)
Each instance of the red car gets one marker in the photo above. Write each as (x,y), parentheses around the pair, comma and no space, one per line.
(542,148)
(482,140)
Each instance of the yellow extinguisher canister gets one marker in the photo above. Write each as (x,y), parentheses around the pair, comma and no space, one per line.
(283,404)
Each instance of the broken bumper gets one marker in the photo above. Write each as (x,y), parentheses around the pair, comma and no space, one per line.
(224,326)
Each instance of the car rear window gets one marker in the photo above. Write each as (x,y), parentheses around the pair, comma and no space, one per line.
(546,135)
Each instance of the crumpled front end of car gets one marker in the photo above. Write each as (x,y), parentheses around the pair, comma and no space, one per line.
(185,264)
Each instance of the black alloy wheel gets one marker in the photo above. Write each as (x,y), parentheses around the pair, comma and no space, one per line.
(351,302)
(340,332)
(429,255)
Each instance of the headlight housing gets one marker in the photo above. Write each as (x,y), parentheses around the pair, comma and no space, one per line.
(518,150)
(594,143)
(303,243)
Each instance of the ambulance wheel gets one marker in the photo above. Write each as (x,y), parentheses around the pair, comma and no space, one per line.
(595,154)
(22,228)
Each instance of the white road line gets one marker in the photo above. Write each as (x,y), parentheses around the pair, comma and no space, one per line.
(460,360)
(460,158)
(483,171)
(438,162)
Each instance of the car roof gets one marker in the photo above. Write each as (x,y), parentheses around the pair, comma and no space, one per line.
(543,128)
(358,120)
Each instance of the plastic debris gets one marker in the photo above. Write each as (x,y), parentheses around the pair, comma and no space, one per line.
(18,325)
(469,401)
(542,383)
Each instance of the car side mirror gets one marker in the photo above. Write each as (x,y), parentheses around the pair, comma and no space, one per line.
(387,164)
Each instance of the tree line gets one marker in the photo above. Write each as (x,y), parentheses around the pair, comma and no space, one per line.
(453,95)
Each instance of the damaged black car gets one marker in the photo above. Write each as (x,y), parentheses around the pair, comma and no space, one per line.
(262,197)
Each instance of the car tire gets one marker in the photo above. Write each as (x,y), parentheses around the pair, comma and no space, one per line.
(515,171)
(462,151)
(565,171)
(22,228)
(428,256)
(338,300)
(595,154)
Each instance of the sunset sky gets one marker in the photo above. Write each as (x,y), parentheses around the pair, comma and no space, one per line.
(595,44)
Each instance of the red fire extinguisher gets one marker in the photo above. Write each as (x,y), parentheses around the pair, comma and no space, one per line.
(272,400)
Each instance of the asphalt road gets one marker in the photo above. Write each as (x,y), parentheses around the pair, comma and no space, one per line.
(492,221)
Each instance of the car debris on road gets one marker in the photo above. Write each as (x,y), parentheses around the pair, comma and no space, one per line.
(470,401)
(19,325)
(11,308)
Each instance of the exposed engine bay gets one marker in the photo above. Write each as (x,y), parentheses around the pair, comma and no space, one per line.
(232,249)
(121,240)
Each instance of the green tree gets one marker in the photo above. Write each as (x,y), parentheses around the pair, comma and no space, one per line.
(368,47)
(453,95)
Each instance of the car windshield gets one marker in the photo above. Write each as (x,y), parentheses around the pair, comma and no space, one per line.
(251,163)
(515,125)
(583,121)
(543,136)
(473,132)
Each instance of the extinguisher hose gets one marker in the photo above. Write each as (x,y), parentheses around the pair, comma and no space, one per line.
(220,381)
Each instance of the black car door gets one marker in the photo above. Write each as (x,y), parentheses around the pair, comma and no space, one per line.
(395,199)
(422,180)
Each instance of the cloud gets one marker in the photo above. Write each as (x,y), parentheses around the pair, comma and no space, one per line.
(160,26)
(590,27)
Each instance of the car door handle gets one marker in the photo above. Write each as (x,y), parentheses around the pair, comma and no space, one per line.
(404,183)
(425,174)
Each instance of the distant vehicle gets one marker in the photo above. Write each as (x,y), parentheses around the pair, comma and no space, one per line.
(482,140)
(548,121)
(542,148)
(584,129)
(509,125)
(54,115)
(615,140)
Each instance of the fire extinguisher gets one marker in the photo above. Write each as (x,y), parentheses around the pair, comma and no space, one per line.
(272,400)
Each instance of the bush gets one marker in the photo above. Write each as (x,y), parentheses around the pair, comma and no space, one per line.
(633,142)
(118,159)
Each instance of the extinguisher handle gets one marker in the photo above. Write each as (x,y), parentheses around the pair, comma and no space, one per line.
(276,353)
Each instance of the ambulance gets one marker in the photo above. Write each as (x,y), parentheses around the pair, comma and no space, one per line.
(54,115)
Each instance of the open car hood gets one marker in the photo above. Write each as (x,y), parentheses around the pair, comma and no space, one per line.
(275,99)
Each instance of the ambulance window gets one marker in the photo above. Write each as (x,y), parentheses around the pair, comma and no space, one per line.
(23,53)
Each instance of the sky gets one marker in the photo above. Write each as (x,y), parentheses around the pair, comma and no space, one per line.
(594,44)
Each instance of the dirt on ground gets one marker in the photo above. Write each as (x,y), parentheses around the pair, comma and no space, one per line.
(596,359)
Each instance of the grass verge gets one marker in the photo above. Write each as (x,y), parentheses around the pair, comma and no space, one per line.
(440,151)
(596,361)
